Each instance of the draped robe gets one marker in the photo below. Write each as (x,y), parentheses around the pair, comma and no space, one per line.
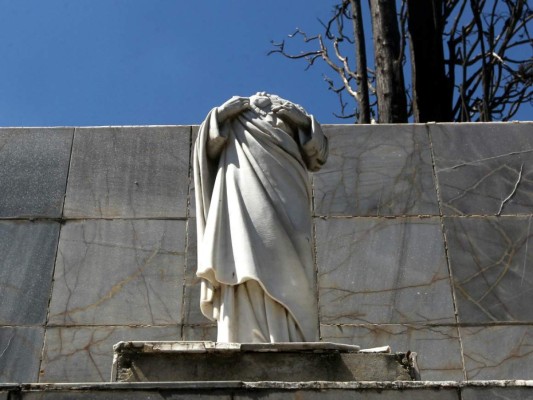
(254,227)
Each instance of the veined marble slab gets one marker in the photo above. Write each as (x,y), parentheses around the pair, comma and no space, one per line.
(191,304)
(492,264)
(375,172)
(382,271)
(192,202)
(500,393)
(498,352)
(438,347)
(85,354)
(27,256)
(204,332)
(130,172)
(484,168)
(33,171)
(20,351)
(119,272)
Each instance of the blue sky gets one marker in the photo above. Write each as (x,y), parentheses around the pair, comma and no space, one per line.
(129,62)
(145,62)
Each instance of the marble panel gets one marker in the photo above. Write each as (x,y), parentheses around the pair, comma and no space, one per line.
(498,352)
(492,267)
(27,256)
(438,347)
(381,270)
(93,395)
(191,304)
(128,395)
(243,394)
(414,394)
(203,332)
(499,393)
(34,164)
(129,172)
(484,169)
(20,353)
(376,170)
(192,200)
(85,354)
(119,272)
(213,394)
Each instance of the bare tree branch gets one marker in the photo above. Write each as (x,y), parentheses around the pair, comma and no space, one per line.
(485,71)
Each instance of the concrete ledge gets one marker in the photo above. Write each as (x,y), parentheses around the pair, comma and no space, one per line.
(287,362)
(358,385)
(441,390)
(215,347)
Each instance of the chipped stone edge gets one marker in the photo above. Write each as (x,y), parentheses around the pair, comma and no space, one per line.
(125,352)
(212,347)
(315,385)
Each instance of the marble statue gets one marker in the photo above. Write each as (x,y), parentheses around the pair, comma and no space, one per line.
(253,202)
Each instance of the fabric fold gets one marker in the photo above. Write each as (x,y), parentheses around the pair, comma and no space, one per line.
(254,220)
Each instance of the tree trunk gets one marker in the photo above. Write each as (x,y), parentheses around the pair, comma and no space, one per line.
(361,66)
(432,95)
(390,87)
(486,67)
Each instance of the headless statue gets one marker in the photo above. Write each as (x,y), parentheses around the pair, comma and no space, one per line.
(253,202)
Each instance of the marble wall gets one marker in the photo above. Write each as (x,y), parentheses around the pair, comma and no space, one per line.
(422,242)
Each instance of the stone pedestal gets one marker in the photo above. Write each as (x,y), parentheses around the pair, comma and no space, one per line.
(283,362)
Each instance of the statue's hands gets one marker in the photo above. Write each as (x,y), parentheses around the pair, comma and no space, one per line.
(233,107)
(292,115)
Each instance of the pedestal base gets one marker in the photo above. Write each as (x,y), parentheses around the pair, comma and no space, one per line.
(284,362)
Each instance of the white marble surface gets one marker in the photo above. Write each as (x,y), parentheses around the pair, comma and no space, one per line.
(209,346)
(133,172)
(111,272)
(253,202)
(383,271)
